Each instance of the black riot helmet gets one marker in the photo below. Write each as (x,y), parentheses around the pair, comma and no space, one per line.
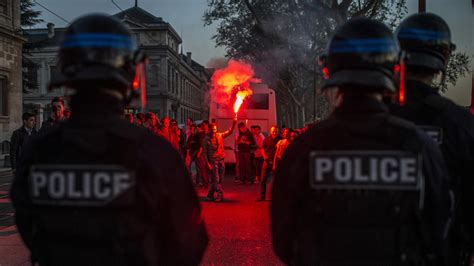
(98,51)
(426,38)
(362,53)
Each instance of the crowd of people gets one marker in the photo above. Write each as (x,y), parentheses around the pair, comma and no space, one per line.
(201,147)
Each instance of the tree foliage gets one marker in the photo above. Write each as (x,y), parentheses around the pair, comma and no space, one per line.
(283,39)
(29,17)
(458,66)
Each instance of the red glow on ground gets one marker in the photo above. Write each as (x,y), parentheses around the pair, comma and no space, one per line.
(238,228)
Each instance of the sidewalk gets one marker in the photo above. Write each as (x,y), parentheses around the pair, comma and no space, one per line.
(12,250)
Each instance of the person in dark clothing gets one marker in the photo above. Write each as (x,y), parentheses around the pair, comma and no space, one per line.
(57,114)
(269,150)
(19,138)
(140,121)
(450,125)
(151,123)
(193,145)
(361,187)
(259,138)
(96,190)
(245,144)
(130,118)
(203,130)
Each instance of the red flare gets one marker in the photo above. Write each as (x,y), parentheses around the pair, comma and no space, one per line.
(234,80)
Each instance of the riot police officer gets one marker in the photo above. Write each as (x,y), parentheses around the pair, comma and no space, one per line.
(96,190)
(362,187)
(426,38)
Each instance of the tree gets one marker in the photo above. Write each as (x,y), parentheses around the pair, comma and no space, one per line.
(29,18)
(458,66)
(283,39)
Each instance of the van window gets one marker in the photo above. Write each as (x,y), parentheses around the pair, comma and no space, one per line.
(258,101)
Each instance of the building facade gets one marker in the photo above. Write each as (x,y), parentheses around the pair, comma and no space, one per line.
(11,42)
(176,85)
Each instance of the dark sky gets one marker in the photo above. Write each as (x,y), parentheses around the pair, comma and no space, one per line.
(186,18)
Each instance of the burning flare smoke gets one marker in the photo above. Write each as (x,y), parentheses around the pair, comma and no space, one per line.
(232,81)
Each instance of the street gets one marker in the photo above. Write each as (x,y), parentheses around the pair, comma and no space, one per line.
(239,228)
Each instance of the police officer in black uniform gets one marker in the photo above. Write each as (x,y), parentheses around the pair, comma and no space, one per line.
(96,190)
(426,38)
(362,187)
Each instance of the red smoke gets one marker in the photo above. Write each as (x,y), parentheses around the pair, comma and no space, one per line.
(232,82)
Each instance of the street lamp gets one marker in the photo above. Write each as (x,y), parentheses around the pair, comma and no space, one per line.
(421,6)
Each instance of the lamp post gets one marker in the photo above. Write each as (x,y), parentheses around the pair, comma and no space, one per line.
(421,6)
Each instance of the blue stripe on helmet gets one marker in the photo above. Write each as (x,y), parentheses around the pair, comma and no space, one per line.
(363,45)
(99,40)
(421,34)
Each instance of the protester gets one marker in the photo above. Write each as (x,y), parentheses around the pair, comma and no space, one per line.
(67,114)
(57,113)
(175,135)
(164,131)
(269,150)
(258,160)
(19,138)
(282,145)
(130,118)
(214,154)
(193,145)
(245,143)
(151,123)
(140,119)
(202,164)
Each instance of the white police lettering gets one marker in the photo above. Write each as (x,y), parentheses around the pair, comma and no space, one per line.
(56,185)
(101,180)
(343,170)
(435,133)
(358,175)
(408,170)
(39,180)
(387,173)
(76,185)
(322,165)
(365,169)
(71,189)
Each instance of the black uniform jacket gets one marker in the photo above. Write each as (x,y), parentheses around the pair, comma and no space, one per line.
(359,124)
(156,221)
(424,106)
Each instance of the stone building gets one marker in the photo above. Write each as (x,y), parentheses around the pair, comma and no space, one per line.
(176,85)
(11,42)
